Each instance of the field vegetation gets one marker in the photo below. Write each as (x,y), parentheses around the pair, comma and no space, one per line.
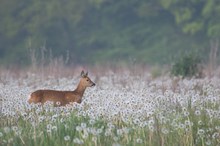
(127,107)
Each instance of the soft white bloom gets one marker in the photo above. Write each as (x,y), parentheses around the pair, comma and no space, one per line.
(54,128)
(79,128)
(200,122)
(94,139)
(49,126)
(208,142)
(108,132)
(6,130)
(139,140)
(58,103)
(215,135)
(119,132)
(151,128)
(201,132)
(197,112)
(164,130)
(14,128)
(67,138)
(78,141)
(91,122)
(182,126)
(85,134)
(115,138)
(83,125)
(186,113)
(41,118)
(187,123)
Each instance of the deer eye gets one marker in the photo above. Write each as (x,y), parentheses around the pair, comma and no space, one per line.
(87,80)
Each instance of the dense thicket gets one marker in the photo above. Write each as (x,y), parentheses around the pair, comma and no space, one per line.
(94,31)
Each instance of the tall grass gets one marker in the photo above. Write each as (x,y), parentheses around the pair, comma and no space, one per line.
(123,109)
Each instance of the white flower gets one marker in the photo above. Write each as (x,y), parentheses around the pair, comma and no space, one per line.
(91,122)
(83,125)
(85,134)
(215,135)
(58,103)
(197,112)
(78,141)
(79,128)
(182,126)
(201,132)
(67,138)
(41,118)
(151,128)
(54,128)
(119,132)
(208,142)
(99,131)
(108,132)
(165,131)
(14,128)
(139,140)
(151,122)
(187,123)
(94,139)
(18,132)
(200,122)
(115,138)
(186,113)
(6,129)
(49,126)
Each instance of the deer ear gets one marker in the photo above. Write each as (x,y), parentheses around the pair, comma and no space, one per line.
(82,73)
(86,73)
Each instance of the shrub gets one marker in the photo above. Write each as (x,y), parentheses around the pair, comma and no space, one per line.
(187,66)
(156,71)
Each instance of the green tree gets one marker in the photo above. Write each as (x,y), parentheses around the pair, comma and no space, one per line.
(196,16)
(102,30)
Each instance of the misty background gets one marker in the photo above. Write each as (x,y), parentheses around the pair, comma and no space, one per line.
(102,31)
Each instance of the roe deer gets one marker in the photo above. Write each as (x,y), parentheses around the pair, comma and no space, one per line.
(61,98)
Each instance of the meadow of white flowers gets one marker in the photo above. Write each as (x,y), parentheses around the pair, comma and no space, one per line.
(122,109)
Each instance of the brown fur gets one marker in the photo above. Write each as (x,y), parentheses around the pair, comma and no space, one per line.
(61,98)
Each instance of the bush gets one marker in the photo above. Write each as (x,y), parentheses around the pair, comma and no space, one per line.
(156,71)
(187,66)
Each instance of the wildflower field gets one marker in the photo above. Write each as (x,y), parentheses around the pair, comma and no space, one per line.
(122,109)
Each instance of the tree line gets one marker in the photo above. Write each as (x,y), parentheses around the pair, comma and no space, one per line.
(94,31)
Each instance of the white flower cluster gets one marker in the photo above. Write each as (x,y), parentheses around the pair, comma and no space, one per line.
(136,100)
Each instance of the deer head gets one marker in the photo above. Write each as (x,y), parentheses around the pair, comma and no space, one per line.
(85,80)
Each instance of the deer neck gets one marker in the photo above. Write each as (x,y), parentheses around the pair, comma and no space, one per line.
(80,89)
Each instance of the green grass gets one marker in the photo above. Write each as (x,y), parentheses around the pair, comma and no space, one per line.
(68,128)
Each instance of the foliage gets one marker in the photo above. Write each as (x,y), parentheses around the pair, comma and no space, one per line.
(144,29)
(195,17)
(156,71)
(187,66)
